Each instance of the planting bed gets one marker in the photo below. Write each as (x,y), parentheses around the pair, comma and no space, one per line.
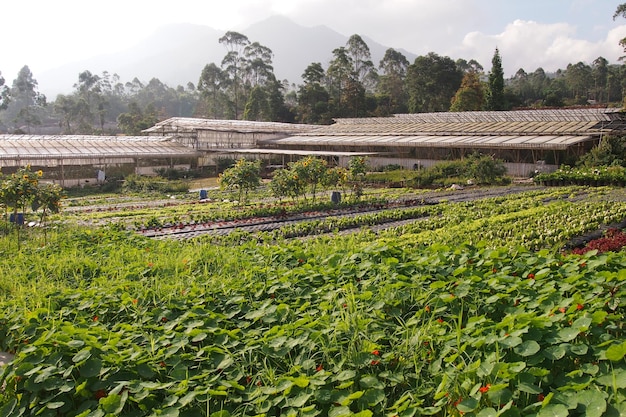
(473,310)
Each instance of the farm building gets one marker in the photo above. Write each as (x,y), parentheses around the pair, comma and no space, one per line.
(527,140)
(79,160)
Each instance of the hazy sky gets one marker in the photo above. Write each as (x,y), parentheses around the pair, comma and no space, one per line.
(45,34)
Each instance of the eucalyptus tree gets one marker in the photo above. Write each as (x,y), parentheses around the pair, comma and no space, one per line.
(259,69)
(212,88)
(27,103)
(391,82)
(338,75)
(5,94)
(234,65)
(600,72)
(471,65)
(579,79)
(65,108)
(363,68)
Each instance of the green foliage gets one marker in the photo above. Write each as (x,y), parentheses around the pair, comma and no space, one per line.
(130,326)
(476,168)
(244,177)
(22,189)
(495,92)
(610,151)
(136,119)
(470,96)
(143,184)
(432,81)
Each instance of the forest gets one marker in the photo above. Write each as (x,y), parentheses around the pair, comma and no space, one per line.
(243,86)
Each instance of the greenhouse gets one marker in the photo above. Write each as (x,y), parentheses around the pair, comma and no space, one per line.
(80,160)
(526,140)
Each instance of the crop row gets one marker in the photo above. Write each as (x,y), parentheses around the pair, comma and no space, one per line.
(376,330)
(104,321)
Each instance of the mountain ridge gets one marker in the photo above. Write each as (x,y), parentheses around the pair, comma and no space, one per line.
(177,53)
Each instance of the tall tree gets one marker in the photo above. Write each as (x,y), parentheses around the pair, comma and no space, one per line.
(27,102)
(338,74)
(313,98)
(5,94)
(234,64)
(579,80)
(212,87)
(600,72)
(65,107)
(467,66)
(432,81)
(495,92)
(259,68)
(363,68)
(391,82)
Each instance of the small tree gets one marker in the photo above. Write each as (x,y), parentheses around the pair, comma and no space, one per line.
(310,170)
(22,188)
(357,168)
(244,176)
(48,200)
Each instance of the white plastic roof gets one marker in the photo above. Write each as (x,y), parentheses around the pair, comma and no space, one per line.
(432,141)
(188,124)
(82,147)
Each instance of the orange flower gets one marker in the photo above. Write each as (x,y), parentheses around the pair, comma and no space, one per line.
(485,388)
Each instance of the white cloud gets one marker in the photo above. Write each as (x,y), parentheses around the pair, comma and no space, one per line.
(530,45)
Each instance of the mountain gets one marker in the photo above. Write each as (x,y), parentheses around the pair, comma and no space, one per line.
(176,54)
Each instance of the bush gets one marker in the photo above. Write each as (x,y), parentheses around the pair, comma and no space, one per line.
(141,184)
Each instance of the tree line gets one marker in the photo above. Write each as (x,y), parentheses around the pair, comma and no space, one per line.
(244,86)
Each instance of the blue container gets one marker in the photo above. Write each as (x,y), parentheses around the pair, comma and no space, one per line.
(19,219)
(203,195)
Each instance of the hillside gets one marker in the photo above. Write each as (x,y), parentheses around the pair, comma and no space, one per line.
(176,54)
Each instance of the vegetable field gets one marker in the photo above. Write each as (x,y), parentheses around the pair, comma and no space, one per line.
(475,308)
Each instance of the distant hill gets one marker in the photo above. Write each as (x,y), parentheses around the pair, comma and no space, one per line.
(176,54)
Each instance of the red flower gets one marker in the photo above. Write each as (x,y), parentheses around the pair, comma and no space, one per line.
(95,318)
(440,320)
(100,394)
(540,397)
(374,363)
(162,364)
(457,402)
(562,309)
(579,306)
(531,276)
(375,352)
(135,301)
(494,270)
(164,319)
(485,388)
(319,368)
(248,379)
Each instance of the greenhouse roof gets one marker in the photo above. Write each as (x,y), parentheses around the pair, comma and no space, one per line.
(258,151)
(187,124)
(81,147)
(523,129)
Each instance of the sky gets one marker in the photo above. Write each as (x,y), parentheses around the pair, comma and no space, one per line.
(45,34)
